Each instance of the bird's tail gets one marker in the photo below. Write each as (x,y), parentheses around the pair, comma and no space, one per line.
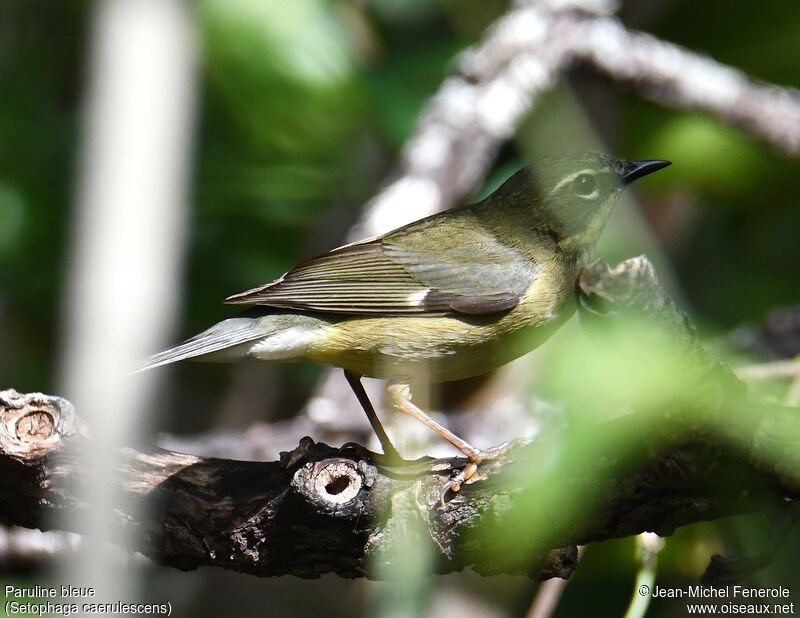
(221,337)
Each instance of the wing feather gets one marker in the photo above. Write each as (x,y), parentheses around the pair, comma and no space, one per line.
(406,272)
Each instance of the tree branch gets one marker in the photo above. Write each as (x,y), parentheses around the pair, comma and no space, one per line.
(321,509)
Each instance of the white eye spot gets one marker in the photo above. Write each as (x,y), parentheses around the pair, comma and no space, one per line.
(582,184)
(585,186)
(415,298)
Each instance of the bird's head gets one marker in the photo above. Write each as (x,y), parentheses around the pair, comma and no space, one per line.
(571,197)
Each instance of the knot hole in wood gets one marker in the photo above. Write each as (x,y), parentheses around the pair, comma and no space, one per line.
(336,481)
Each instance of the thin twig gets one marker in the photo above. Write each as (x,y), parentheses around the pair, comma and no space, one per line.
(768,371)
(793,394)
(648,544)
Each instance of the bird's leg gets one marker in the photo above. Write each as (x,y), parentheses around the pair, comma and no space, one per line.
(400,397)
(386,444)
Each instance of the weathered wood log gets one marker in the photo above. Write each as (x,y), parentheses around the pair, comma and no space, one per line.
(321,509)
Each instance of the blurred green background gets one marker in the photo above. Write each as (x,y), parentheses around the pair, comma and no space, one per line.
(304,106)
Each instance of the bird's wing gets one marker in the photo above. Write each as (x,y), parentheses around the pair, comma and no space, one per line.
(407,272)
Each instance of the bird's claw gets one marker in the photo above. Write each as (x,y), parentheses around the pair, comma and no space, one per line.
(455,483)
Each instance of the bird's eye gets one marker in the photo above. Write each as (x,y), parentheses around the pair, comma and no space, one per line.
(584,185)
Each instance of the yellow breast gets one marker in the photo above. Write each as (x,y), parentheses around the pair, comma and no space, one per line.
(452,347)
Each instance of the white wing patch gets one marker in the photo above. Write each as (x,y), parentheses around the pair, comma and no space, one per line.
(415,298)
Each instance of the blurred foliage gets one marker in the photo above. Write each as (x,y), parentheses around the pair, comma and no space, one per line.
(304,106)
(276,139)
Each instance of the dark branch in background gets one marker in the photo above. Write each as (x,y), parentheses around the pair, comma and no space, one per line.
(778,336)
(23,550)
(322,509)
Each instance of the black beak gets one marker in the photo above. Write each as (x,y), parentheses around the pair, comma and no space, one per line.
(631,170)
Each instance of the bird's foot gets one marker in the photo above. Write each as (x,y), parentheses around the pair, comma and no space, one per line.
(476,457)
(455,483)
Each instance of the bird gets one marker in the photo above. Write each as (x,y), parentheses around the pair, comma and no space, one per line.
(450,296)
